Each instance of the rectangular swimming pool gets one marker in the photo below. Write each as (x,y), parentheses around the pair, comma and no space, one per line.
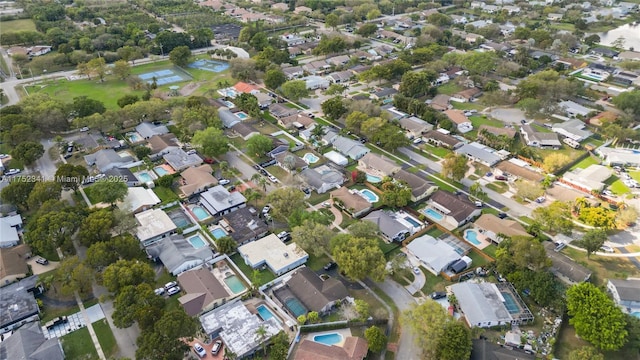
(264,312)
(197,242)
(234,283)
(433,214)
(218,233)
(200,213)
(160,171)
(510,303)
(411,221)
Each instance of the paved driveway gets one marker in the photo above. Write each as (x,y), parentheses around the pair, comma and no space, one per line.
(407,347)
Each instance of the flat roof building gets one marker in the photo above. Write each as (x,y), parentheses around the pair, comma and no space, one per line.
(275,254)
(219,201)
(139,199)
(483,304)
(433,254)
(154,225)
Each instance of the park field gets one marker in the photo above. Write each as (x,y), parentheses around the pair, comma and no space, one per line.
(18,25)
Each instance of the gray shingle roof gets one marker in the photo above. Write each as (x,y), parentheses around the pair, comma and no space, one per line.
(29,343)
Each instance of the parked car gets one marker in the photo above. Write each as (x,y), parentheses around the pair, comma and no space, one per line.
(438,295)
(502,215)
(67,156)
(209,161)
(541,199)
(42,261)
(478,204)
(273,179)
(416,270)
(330,266)
(606,248)
(159,291)
(199,350)
(84,129)
(306,191)
(501,177)
(223,181)
(191,152)
(170,285)
(13,172)
(4,156)
(174,290)
(266,209)
(217,346)
(417,141)
(283,234)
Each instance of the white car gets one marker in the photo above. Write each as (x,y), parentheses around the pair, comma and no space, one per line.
(13,172)
(416,270)
(159,291)
(283,234)
(199,350)
(273,179)
(173,290)
(84,129)
(169,285)
(4,156)
(191,152)
(216,348)
(606,248)
(224,182)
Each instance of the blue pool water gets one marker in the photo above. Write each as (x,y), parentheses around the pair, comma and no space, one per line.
(433,214)
(200,213)
(295,306)
(471,236)
(209,65)
(510,303)
(144,177)
(234,283)
(370,195)
(218,233)
(229,104)
(264,312)
(242,115)
(636,314)
(411,221)
(310,158)
(134,137)
(373,179)
(328,339)
(160,171)
(196,242)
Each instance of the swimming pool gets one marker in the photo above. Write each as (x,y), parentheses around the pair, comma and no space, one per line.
(229,104)
(295,306)
(471,236)
(411,221)
(179,218)
(196,241)
(510,303)
(160,171)
(593,76)
(234,283)
(373,179)
(200,213)
(310,158)
(134,137)
(242,115)
(145,177)
(218,233)
(636,314)
(369,195)
(433,214)
(328,339)
(264,313)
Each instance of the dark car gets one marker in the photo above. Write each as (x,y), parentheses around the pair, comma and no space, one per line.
(502,215)
(330,266)
(209,161)
(438,295)
(501,177)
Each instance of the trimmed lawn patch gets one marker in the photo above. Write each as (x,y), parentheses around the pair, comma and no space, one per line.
(105,337)
(498,186)
(317,262)
(78,345)
(264,275)
(437,151)
(435,232)
(376,309)
(604,268)
(477,259)
(166,195)
(18,25)
(478,120)
(52,313)
(491,250)
(588,161)
(90,194)
(433,283)
(449,88)
(617,186)
(635,175)
(387,247)
(466,106)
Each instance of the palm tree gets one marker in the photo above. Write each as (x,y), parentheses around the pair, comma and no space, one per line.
(251,194)
(477,192)
(317,131)
(261,336)
(260,181)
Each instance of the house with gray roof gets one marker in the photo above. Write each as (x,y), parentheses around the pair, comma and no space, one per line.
(389,226)
(564,267)
(573,109)
(625,293)
(442,138)
(322,178)
(162,144)
(147,129)
(290,162)
(9,230)
(179,160)
(385,93)
(379,164)
(315,293)
(350,201)
(279,110)
(293,72)
(227,117)
(244,225)
(453,210)
(329,136)
(107,159)
(535,138)
(480,153)
(219,201)
(29,343)
(247,131)
(340,77)
(177,254)
(350,148)
(433,254)
(482,304)
(18,305)
(573,129)
(420,187)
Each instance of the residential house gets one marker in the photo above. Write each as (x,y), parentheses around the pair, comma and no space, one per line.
(442,138)
(440,102)
(236,326)
(279,110)
(180,160)
(10,228)
(606,52)
(139,199)
(573,109)
(389,226)
(314,293)
(392,113)
(350,148)
(293,72)
(535,138)
(350,201)
(629,55)
(479,24)
(290,162)
(29,343)
(472,38)
(354,348)
(339,60)
(618,156)
(292,39)
(340,77)
(279,257)
(196,180)
(482,304)
(244,88)
(420,187)
(414,126)
(244,225)
(227,117)
(314,82)
(379,164)
(480,153)
(178,255)
(280,7)
(521,169)
(572,129)
(18,304)
(590,179)
(203,291)
(336,158)
(537,54)
(452,210)
(626,293)
(493,46)
(457,19)
(219,201)
(298,121)
(487,350)
(564,267)
(154,225)
(264,100)
(571,63)
(162,144)
(147,130)
(384,93)
(13,263)
(434,255)
(322,178)
(467,95)
(496,229)
(125,174)
(302,9)
(463,124)
(511,10)
(246,131)
(107,159)
(317,67)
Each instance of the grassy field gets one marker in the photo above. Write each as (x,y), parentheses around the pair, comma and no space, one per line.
(78,345)
(617,186)
(18,25)
(433,283)
(317,262)
(435,150)
(604,268)
(467,106)
(166,195)
(105,337)
(498,186)
(264,275)
(449,88)
(588,161)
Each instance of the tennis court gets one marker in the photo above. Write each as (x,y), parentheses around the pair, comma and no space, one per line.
(166,76)
(210,65)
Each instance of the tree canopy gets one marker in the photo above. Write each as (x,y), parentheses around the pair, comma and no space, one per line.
(294,90)
(211,142)
(312,237)
(454,166)
(359,258)
(259,145)
(127,272)
(284,202)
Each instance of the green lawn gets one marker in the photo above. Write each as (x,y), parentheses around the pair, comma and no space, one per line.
(18,25)
(635,175)
(166,195)
(478,120)
(90,194)
(449,88)
(317,262)
(491,250)
(466,106)
(264,277)
(78,345)
(437,151)
(478,260)
(105,337)
(387,247)
(588,161)
(617,186)
(433,283)
(498,186)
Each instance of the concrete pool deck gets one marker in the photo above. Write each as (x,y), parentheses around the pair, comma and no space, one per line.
(344,332)
(483,239)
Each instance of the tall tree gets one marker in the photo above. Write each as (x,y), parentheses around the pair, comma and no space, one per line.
(180,56)
(455,342)
(43,191)
(428,320)
(333,108)
(554,218)
(259,145)
(312,237)
(395,195)
(226,245)
(375,338)
(28,152)
(127,272)
(294,90)
(165,340)
(110,191)
(284,202)
(74,276)
(274,77)
(137,304)
(593,240)
(211,142)
(71,176)
(359,258)
(96,227)
(17,193)
(586,353)
(454,166)
(121,69)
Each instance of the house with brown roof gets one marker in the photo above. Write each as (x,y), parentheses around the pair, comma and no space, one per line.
(196,180)
(420,187)
(162,144)
(440,102)
(493,227)
(13,263)
(290,162)
(245,130)
(302,9)
(520,169)
(466,95)
(354,348)
(602,118)
(571,63)
(298,121)
(378,163)
(442,138)
(463,124)
(313,292)
(350,201)
(455,210)
(243,87)
(203,291)
(414,126)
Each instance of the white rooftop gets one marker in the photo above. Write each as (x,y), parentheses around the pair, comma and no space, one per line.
(434,253)
(138,197)
(154,222)
(273,252)
(481,303)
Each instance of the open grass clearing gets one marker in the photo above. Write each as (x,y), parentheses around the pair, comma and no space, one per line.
(316,263)
(78,345)
(433,283)
(376,308)
(585,163)
(498,186)
(437,151)
(603,267)
(18,25)
(166,195)
(105,337)
(449,88)
(616,185)
(466,106)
